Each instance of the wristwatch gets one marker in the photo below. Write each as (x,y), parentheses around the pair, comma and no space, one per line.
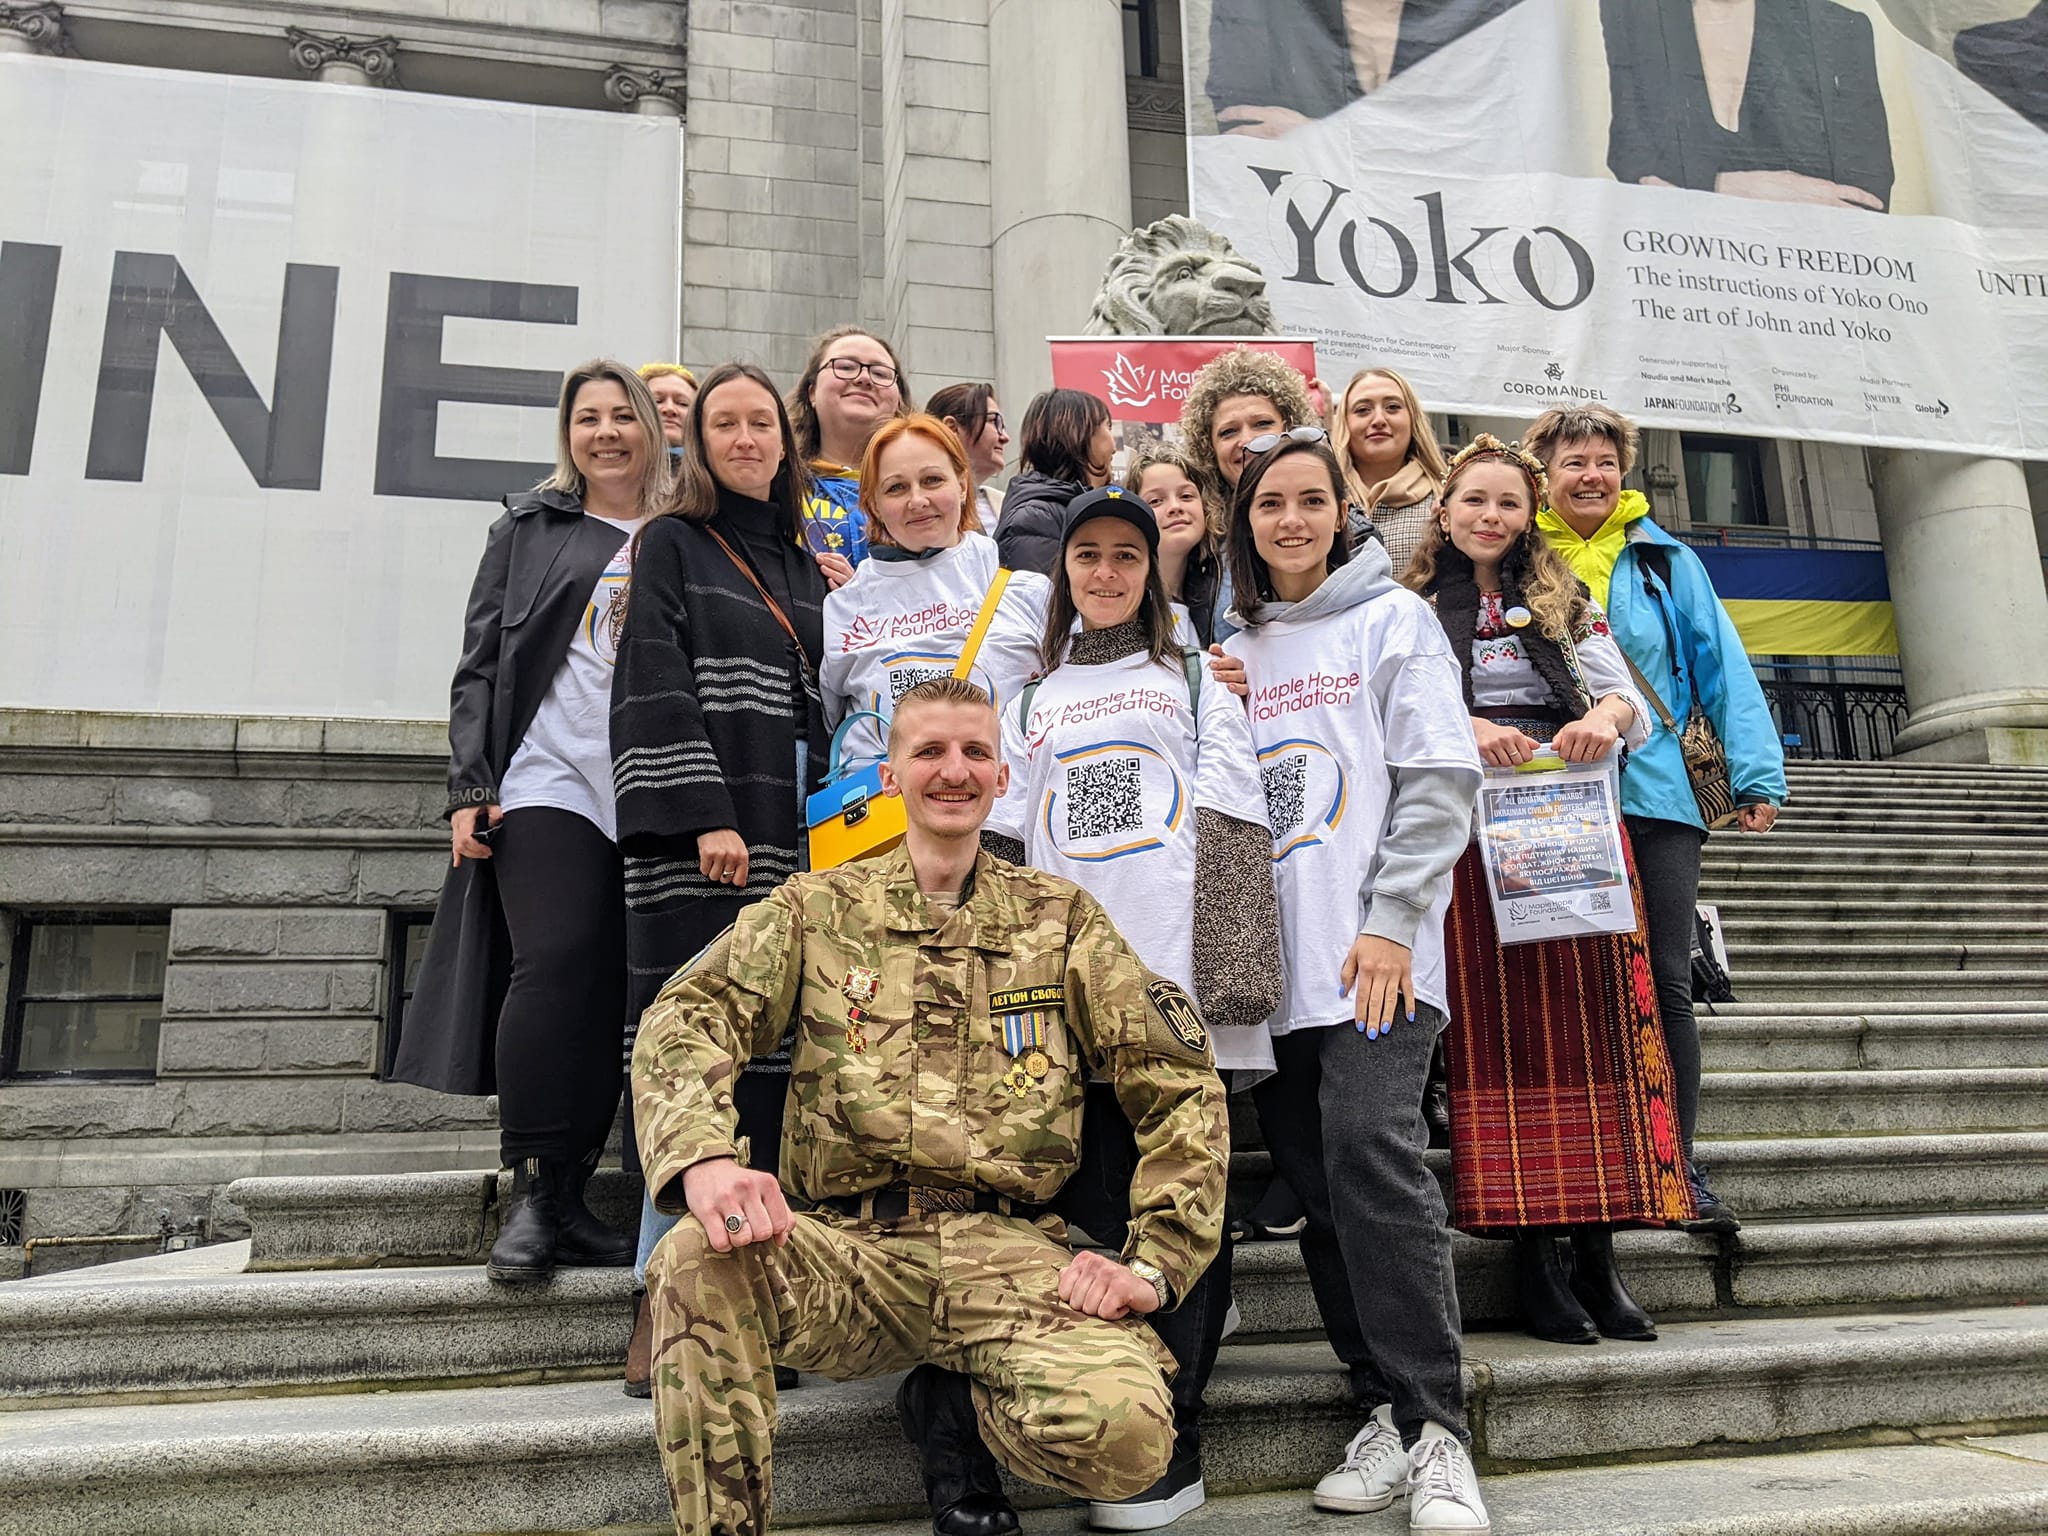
(1152,1275)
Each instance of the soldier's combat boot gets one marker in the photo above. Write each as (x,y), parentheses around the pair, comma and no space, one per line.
(525,1249)
(580,1238)
(961,1479)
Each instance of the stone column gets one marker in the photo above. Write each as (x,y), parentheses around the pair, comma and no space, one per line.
(345,60)
(649,92)
(1060,163)
(33,28)
(1965,571)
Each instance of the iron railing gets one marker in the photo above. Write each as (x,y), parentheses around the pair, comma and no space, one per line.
(1856,721)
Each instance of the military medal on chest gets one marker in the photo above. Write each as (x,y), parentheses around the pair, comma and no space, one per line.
(1028,1016)
(859,988)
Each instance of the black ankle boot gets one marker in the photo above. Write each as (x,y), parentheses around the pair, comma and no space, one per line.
(961,1480)
(1549,1310)
(528,1228)
(580,1238)
(1596,1281)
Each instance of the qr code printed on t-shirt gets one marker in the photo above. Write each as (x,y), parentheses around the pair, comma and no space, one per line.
(903,679)
(1285,779)
(1105,797)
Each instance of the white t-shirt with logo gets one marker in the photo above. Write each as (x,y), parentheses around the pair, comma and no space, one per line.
(1336,701)
(899,623)
(1105,777)
(565,761)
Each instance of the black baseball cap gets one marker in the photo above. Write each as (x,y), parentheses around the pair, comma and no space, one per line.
(1111,501)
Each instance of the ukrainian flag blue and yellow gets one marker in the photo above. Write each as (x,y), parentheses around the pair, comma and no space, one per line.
(1805,602)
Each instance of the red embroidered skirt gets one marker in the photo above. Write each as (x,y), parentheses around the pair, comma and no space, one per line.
(1562,1112)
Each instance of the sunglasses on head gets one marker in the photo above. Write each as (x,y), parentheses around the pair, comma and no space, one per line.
(1267,442)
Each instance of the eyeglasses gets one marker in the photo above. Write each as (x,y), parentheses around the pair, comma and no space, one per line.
(995,420)
(1267,442)
(851,368)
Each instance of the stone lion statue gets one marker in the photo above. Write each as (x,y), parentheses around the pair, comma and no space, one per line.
(1180,278)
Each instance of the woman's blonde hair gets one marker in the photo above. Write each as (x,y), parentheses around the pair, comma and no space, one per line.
(1422,444)
(1240,371)
(942,437)
(655,478)
(652,371)
(1563,425)
(1154,453)
(1549,590)
(803,416)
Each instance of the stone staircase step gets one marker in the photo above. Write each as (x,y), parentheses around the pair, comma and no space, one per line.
(1879,988)
(195,1324)
(1984,1486)
(1831,1008)
(1805,907)
(1843,949)
(1782,1042)
(580,1456)
(2014,935)
(1837,1176)
(1880,875)
(1872,1101)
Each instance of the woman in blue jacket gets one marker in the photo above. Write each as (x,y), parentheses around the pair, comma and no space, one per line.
(1668,622)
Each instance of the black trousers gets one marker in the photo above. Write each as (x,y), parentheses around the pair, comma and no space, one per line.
(1097,1199)
(1343,1119)
(1668,865)
(564,1021)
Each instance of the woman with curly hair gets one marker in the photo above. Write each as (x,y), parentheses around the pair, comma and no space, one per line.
(1242,394)
(1562,1114)
(1393,468)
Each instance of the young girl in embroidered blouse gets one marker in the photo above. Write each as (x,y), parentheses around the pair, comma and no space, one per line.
(1561,1110)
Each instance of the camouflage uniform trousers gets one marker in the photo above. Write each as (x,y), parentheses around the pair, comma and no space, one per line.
(1076,1402)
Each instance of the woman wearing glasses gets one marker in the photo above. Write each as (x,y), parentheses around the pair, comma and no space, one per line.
(971,411)
(852,384)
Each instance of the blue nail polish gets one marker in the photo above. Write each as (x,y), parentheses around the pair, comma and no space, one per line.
(1411,1015)
(1361,1026)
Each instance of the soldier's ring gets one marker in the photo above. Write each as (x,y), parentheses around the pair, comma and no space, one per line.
(734,1223)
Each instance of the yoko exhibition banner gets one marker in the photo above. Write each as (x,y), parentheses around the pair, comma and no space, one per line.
(270,352)
(1805,218)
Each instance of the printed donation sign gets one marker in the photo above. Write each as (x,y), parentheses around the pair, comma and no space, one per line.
(1550,836)
(1146,378)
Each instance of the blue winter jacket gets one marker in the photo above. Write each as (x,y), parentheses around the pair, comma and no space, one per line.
(1645,616)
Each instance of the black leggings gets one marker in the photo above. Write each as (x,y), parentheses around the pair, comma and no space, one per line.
(1668,864)
(564,1021)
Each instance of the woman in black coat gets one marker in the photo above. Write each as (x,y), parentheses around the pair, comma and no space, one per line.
(1065,449)
(717,732)
(522,990)
(1771,99)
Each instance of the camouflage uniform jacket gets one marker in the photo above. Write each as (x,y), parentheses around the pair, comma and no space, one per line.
(904,1067)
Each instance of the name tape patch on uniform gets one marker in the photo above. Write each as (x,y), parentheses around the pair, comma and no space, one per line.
(1178,1009)
(1019,999)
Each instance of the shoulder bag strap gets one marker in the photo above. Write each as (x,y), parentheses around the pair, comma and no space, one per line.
(808,675)
(1191,663)
(1649,693)
(982,620)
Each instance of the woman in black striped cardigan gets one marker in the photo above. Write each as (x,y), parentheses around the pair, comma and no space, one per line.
(716,728)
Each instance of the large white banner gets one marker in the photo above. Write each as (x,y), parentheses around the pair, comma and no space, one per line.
(1804,218)
(269,354)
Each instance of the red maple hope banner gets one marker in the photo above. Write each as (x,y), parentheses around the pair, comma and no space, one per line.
(1146,378)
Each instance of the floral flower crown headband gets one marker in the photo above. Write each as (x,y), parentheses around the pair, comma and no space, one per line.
(1487,446)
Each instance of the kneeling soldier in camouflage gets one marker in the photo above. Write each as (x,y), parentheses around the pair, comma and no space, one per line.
(948,1009)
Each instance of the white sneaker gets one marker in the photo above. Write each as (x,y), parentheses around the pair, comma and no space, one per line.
(1374,1472)
(1443,1490)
